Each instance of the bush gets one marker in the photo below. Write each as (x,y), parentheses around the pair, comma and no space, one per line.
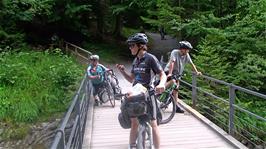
(34,85)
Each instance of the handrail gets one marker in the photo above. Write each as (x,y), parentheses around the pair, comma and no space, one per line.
(72,119)
(233,127)
(78,47)
(76,115)
(77,51)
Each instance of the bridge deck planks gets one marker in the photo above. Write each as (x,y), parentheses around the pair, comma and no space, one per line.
(184,131)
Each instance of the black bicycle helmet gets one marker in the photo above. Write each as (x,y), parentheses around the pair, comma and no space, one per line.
(138,38)
(185,45)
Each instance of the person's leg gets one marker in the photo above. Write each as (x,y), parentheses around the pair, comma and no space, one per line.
(156,134)
(175,93)
(133,132)
(95,93)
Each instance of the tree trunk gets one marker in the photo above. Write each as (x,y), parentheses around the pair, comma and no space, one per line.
(118,26)
(118,21)
(179,33)
(100,19)
(232,5)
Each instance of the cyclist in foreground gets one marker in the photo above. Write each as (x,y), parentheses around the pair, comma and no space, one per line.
(175,66)
(142,66)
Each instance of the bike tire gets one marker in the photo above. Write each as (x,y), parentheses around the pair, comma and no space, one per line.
(111,94)
(144,138)
(167,108)
(141,137)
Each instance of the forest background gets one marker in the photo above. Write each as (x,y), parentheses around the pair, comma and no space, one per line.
(229,37)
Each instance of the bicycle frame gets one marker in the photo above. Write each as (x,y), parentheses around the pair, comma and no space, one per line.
(107,87)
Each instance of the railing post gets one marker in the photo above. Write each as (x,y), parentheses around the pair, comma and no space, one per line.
(76,52)
(194,90)
(79,123)
(232,96)
(67,52)
(62,143)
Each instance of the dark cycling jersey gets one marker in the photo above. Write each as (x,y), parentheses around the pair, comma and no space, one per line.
(142,67)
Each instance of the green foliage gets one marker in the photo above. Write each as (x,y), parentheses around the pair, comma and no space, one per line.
(108,53)
(74,10)
(36,84)
(26,10)
(240,50)
(11,41)
(25,110)
(165,14)
(129,31)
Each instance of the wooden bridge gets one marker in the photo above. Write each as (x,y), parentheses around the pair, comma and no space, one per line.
(98,127)
(186,131)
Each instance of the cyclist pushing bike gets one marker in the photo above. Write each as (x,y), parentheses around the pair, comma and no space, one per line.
(142,66)
(96,73)
(175,67)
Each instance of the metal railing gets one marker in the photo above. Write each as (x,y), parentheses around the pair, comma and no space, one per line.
(81,54)
(71,131)
(216,99)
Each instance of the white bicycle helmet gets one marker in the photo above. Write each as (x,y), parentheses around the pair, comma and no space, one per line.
(94,57)
(185,45)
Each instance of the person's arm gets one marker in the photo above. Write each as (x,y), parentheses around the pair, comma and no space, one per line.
(193,66)
(171,67)
(157,69)
(94,77)
(161,86)
(128,76)
(195,69)
(171,63)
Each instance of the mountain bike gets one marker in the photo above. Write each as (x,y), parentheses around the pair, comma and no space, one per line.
(167,104)
(106,92)
(144,136)
(115,84)
(166,101)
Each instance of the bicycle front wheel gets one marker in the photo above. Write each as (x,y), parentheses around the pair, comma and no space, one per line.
(144,140)
(167,108)
(111,94)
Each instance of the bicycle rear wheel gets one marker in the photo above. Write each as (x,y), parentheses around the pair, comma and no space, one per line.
(168,108)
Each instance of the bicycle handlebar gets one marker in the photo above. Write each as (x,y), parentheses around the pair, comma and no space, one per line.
(121,95)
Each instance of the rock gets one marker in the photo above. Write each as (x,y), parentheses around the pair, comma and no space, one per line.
(245,142)
(259,147)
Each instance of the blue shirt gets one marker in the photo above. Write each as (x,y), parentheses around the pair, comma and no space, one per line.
(96,71)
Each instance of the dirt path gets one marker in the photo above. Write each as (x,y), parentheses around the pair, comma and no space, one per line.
(160,47)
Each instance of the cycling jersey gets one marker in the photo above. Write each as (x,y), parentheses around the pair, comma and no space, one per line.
(142,67)
(96,71)
(179,62)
